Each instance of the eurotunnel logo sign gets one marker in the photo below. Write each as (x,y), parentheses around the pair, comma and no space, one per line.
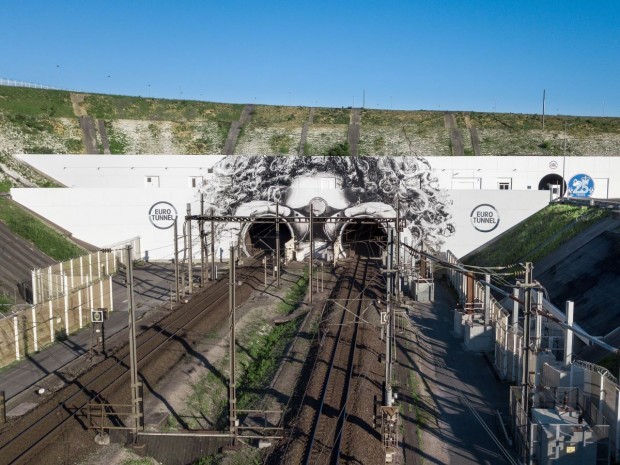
(484,218)
(162,215)
(580,186)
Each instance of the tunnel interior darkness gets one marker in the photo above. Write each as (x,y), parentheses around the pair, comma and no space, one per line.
(367,239)
(262,236)
(551,179)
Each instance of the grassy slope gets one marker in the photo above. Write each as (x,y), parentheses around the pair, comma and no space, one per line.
(31,229)
(537,236)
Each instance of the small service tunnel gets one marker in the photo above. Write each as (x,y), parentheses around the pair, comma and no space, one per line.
(262,237)
(552,180)
(367,238)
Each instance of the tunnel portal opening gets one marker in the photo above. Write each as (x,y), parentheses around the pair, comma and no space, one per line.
(552,180)
(262,237)
(367,239)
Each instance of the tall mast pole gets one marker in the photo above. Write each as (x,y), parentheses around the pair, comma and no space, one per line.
(277,244)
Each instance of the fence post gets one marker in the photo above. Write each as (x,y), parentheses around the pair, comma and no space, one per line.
(40,297)
(81,323)
(35,335)
(111,304)
(81,271)
(71,272)
(34,286)
(91,298)
(101,304)
(66,299)
(51,321)
(50,283)
(61,281)
(601,395)
(16,332)
(487,300)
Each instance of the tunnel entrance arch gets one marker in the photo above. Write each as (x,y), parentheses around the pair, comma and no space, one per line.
(366,238)
(552,180)
(261,236)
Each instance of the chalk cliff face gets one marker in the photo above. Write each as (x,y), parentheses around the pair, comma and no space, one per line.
(46,121)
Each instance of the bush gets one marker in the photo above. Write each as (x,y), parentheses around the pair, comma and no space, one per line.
(6,302)
(339,150)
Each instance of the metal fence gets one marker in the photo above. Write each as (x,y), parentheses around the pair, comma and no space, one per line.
(508,335)
(14,83)
(118,250)
(566,428)
(599,395)
(28,330)
(61,278)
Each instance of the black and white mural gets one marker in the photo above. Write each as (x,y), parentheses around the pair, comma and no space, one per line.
(339,187)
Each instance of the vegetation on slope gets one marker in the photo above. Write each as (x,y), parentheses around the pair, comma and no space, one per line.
(261,346)
(124,107)
(26,105)
(43,121)
(47,240)
(536,236)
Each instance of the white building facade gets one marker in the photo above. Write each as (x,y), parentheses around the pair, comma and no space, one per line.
(111,198)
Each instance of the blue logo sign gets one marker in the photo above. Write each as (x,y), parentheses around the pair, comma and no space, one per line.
(580,185)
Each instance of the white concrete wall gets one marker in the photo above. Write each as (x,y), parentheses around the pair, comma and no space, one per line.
(123,171)
(511,206)
(110,201)
(523,173)
(105,216)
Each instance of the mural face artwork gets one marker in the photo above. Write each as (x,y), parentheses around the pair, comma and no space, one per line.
(342,187)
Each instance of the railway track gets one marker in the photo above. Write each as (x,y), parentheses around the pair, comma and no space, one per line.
(159,347)
(326,438)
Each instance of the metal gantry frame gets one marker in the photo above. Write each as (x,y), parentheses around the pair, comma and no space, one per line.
(311,219)
(396,224)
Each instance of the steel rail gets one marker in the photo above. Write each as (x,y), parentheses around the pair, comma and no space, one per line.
(340,422)
(145,339)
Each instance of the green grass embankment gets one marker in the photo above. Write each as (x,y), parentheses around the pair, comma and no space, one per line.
(44,238)
(537,236)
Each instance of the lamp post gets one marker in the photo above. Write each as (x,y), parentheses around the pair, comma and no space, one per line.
(564,184)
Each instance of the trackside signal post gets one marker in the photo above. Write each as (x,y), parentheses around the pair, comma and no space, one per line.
(97,336)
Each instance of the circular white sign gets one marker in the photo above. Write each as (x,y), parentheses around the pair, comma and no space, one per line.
(162,215)
(484,218)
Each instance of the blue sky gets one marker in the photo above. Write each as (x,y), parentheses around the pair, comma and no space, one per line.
(477,55)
